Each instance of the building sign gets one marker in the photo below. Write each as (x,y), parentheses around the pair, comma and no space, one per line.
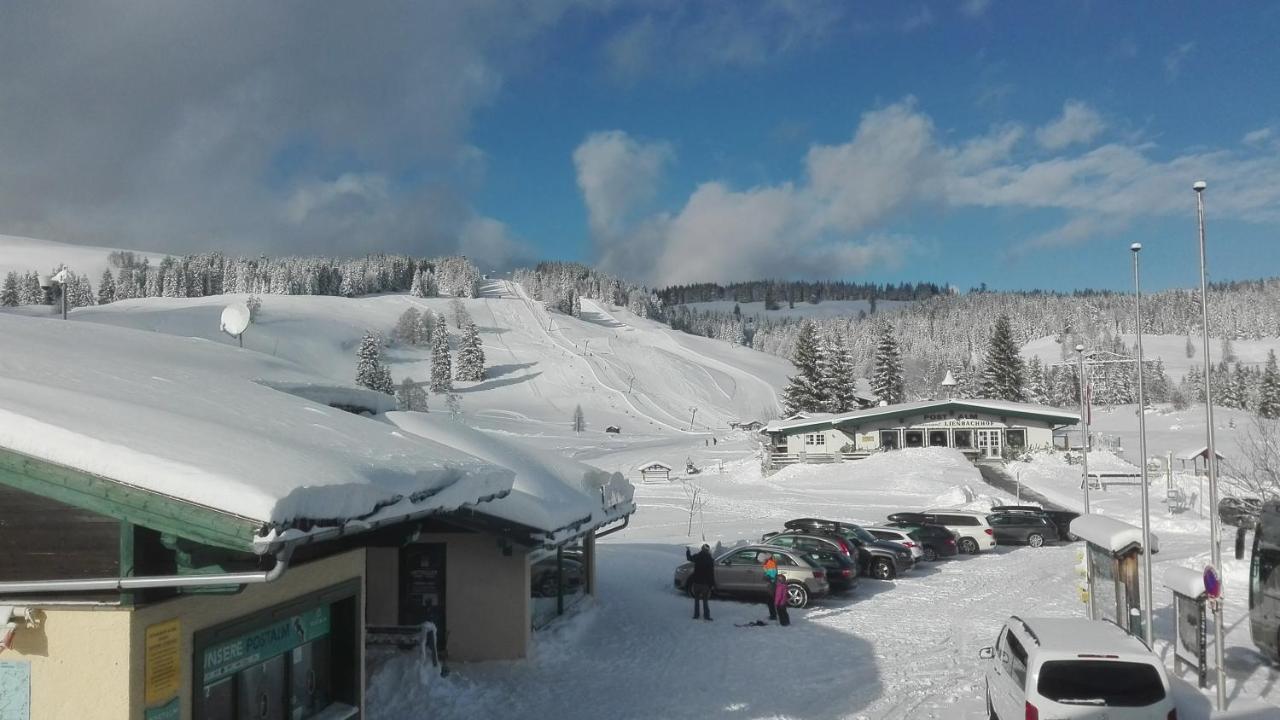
(15,690)
(959,422)
(163,669)
(252,648)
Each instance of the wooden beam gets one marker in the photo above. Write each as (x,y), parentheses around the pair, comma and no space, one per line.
(129,504)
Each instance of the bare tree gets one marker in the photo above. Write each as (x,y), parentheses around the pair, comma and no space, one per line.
(579,420)
(1256,471)
(697,501)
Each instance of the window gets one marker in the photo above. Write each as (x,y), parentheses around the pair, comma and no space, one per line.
(1015,438)
(889,439)
(1017,662)
(963,438)
(958,520)
(937,438)
(746,557)
(783,560)
(782,541)
(913,438)
(815,440)
(1106,682)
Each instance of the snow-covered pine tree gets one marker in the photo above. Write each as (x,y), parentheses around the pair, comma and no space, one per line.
(1269,389)
(406,330)
(1037,391)
(417,289)
(1002,374)
(370,372)
(106,288)
(886,378)
(126,287)
(837,374)
(1228,350)
(579,420)
(29,290)
(441,363)
(410,396)
(470,355)
(83,292)
(1238,389)
(805,392)
(9,294)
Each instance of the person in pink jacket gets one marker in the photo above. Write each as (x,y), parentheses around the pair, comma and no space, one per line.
(780,601)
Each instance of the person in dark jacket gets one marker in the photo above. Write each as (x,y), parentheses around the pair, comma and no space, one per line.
(702,581)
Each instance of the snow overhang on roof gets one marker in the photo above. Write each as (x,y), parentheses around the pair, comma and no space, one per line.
(990,407)
(1184,581)
(1113,535)
(1200,452)
(652,464)
(188,424)
(557,498)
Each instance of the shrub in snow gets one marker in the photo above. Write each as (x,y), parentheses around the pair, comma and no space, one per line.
(370,372)
(470,355)
(410,396)
(254,303)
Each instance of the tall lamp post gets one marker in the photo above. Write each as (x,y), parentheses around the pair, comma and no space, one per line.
(1084,463)
(1147,637)
(1215,549)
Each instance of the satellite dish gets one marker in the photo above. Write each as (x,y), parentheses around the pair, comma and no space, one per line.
(235,319)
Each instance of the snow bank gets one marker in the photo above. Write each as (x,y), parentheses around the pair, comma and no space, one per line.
(190,419)
(551,493)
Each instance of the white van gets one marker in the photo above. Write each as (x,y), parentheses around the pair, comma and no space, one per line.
(1074,668)
(973,531)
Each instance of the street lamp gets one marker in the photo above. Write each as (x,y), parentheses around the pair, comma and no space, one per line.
(1147,637)
(1215,550)
(1084,463)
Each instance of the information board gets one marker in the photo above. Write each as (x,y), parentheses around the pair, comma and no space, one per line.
(252,648)
(15,690)
(163,669)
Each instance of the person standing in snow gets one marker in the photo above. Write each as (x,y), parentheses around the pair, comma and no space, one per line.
(771,577)
(780,601)
(702,581)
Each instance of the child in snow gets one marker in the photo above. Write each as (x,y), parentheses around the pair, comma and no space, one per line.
(771,577)
(780,601)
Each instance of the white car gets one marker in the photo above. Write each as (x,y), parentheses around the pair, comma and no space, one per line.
(975,533)
(1074,668)
(899,536)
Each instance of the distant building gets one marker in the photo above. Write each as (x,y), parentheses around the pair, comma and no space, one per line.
(978,428)
(654,471)
(748,425)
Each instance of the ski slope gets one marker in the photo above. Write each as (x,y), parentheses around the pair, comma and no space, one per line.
(23,255)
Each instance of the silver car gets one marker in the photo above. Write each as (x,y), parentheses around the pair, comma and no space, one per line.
(740,573)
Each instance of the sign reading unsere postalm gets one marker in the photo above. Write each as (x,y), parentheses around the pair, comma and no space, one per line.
(163,669)
(232,656)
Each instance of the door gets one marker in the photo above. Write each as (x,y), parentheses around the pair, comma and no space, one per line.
(742,571)
(989,443)
(422,587)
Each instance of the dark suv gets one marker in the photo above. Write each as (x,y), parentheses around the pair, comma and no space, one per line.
(1060,518)
(876,558)
(938,542)
(1021,527)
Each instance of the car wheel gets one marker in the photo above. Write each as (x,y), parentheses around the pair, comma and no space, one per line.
(1035,540)
(797,595)
(930,554)
(969,546)
(882,569)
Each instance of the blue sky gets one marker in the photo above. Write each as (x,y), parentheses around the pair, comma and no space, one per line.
(1015,144)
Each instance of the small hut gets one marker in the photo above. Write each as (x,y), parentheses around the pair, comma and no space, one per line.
(654,471)
(1197,456)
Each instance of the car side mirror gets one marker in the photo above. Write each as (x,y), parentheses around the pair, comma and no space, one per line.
(987,653)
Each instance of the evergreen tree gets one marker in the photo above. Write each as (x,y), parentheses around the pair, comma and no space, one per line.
(1002,375)
(417,290)
(9,295)
(411,396)
(1228,350)
(453,401)
(1037,390)
(106,288)
(886,380)
(1269,389)
(370,371)
(426,327)
(1238,389)
(837,375)
(406,330)
(1190,349)
(579,420)
(805,392)
(441,363)
(470,355)
(29,290)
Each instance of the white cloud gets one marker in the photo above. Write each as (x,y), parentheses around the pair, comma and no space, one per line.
(616,175)
(922,17)
(1079,123)
(493,244)
(838,219)
(1174,60)
(974,8)
(1259,136)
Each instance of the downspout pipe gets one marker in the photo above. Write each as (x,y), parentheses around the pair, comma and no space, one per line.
(119,584)
(626,520)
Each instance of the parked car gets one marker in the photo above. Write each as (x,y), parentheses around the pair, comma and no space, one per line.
(906,538)
(975,532)
(842,570)
(876,558)
(1060,518)
(740,574)
(544,577)
(938,541)
(1074,668)
(1016,528)
(1239,511)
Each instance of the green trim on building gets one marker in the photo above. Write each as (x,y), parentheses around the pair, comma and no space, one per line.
(953,405)
(128,504)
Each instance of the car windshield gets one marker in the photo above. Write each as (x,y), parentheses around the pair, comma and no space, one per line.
(859,534)
(1100,682)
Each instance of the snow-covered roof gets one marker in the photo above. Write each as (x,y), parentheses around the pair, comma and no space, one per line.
(560,497)
(1081,635)
(1184,581)
(194,420)
(1200,452)
(652,464)
(1108,532)
(1003,407)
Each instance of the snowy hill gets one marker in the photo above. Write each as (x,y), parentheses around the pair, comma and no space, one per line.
(22,255)
(815,311)
(1171,349)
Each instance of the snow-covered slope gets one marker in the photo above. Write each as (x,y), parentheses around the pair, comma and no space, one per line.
(1169,349)
(819,311)
(22,255)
